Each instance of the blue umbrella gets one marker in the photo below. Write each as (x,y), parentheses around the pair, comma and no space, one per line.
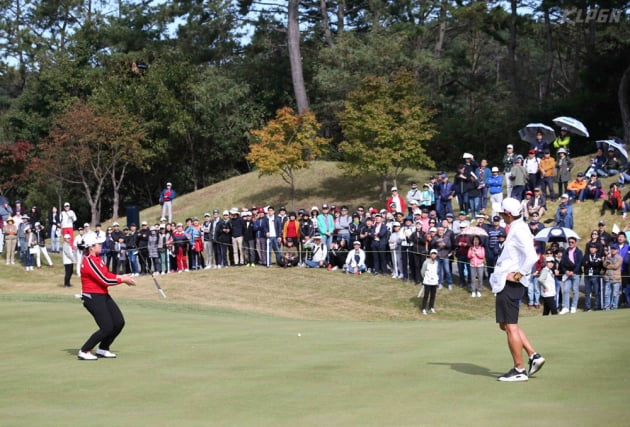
(555,234)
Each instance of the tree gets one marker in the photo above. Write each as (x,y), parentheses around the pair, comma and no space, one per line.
(88,148)
(14,158)
(386,127)
(287,144)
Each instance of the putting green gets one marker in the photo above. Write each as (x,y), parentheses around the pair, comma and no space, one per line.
(190,365)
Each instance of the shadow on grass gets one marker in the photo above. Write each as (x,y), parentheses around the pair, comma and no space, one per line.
(468,368)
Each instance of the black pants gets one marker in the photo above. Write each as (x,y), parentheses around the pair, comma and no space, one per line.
(68,269)
(108,317)
(429,295)
(549,305)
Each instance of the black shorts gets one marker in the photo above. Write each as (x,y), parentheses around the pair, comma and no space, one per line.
(507,302)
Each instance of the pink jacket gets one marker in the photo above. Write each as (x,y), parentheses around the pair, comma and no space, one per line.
(476,255)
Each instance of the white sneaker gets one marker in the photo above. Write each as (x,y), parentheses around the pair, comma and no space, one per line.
(473,294)
(424,312)
(86,355)
(478,294)
(433,310)
(564,311)
(105,353)
(335,268)
(573,310)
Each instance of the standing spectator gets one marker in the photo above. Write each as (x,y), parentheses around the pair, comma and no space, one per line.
(443,244)
(206,229)
(54,229)
(68,218)
(68,258)
(261,239)
(533,290)
(163,249)
(462,245)
(22,243)
(224,239)
(238,228)
(10,235)
(30,243)
(131,244)
(547,282)
(396,238)
(477,258)
(592,266)
(342,225)
(291,229)
(326,225)
(420,251)
(532,165)
(413,194)
(272,227)
(539,145)
(166,200)
(564,214)
(547,171)
(153,251)
(445,194)
(483,172)
(395,203)
(518,176)
(571,267)
(379,245)
(495,187)
(143,246)
(430,281)
(563,170)
(612,264)
(406,247)
(249,239)
(562,142)
(508,162)
(6,211)
(39,234)
(613,200)
(180,244)
(509,282)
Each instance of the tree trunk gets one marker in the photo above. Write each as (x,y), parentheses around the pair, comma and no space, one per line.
(295,57)
(341,13)
(549,57)
(326,23)
(622,96)
(512,46)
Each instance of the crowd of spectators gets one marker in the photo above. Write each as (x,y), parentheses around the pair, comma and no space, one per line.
(454,217)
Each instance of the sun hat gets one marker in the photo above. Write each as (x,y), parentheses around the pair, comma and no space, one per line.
(511,206)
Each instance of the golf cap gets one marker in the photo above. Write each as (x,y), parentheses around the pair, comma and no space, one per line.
(464,224)
(317,237)
(162,219)
(467,156)
(116,224)
(496,218)
(37,224)
(66,204)
(66,236)
(325,206)
(206,214)
(356,242)
(215,211)
(564,196)
(87,224)
(511,206)
(531,152)
(144,223)
(444,176)
(450,215)
(614,246)
(396,224)
(510,146)
(152,228)
(413,202)
(601,223)
(562,150)
(92,239)
(462,213)
(432,230)
(233,211)
(580,174)
(168,184)
(495,169)
(26,217)
(611,149)
(433,251)
(564,128)
(226,212)
(550,259)
(394,189)
(10,219)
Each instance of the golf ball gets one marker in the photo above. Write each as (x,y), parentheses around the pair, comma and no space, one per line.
(299,334)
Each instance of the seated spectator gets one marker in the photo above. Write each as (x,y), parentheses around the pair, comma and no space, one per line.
(564,213)
(319,252)
(612,165)
(355,260)
(538,203)
(593,189)
(575,187)
(337,255)
(613,200)
(290,254)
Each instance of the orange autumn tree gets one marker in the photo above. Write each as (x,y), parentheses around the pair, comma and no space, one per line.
(288,143)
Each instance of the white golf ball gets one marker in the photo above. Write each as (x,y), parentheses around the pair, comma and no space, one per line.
(299,334)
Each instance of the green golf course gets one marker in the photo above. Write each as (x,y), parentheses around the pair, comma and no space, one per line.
(182,364)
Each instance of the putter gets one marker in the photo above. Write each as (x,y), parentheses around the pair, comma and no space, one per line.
(157,284)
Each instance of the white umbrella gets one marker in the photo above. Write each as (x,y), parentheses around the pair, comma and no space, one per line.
(573,125)
(475,230)
(615,145)
(555,234)
(528,133)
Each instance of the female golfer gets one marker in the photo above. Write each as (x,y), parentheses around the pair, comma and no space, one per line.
(96,280)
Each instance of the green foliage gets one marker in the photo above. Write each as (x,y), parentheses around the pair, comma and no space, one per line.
(387,127)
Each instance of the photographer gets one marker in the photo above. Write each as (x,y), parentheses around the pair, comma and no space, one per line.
(593,267)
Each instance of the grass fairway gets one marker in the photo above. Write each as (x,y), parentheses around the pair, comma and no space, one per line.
(196,365)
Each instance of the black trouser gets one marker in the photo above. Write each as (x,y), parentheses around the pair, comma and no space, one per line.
(108,317)
(429,295)
(549,304)
(68,269)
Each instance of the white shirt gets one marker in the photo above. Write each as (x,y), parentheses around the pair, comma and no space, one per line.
(68,217)
(519,255)
(272,226)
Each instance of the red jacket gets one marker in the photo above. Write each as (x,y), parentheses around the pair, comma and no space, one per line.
(95,278)
(403,206)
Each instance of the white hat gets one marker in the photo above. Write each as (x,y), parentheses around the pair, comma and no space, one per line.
(495,169)
(37,224)
(233,211)
(511,206)
(432,229)
(433,251)
(395,224)
(168,183)
(510,146)
(394,188)
(356,242)
(162,219)
(467,156)
(87,224)
(413,202)
(66,204)
(92,239)
(562,150)
(207,214)
(144,223)
(66,236)
(314,208)
(152,228)
(564,196)
(226,212)
(550,259)
(464,224)
(115,224)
